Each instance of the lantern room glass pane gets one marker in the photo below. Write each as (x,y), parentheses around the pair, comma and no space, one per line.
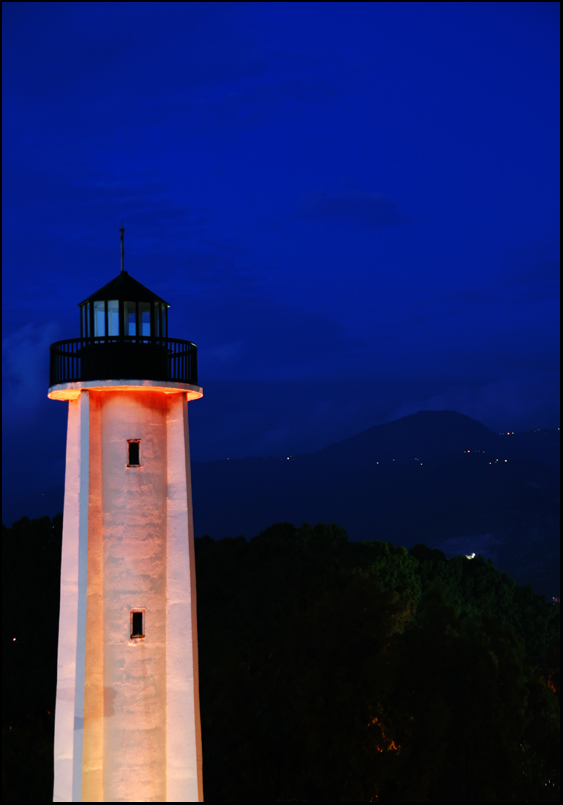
(145,317)
(100,318)
(113,317)
(130,320)
(157,318)
(86,310)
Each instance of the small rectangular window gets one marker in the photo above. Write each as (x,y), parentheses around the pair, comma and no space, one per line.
(134,448)
(137,623)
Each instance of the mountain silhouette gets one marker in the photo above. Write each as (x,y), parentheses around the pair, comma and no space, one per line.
(424,435)
(436,477)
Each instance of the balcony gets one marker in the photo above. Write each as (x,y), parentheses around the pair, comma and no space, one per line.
(123,358)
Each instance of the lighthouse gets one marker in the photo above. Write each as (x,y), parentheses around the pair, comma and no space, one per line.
(127,722)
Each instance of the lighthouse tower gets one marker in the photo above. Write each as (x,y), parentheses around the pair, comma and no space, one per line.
(127,723)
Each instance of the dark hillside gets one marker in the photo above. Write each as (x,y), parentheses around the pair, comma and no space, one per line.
(478,499)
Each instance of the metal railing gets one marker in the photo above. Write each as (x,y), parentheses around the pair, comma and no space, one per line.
(123,357)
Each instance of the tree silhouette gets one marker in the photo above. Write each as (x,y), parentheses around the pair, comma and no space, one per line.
(329,671)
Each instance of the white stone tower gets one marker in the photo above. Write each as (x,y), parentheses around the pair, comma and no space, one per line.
(127,722)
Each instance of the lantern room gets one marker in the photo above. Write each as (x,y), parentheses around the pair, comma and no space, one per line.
(123,337)
(124,307)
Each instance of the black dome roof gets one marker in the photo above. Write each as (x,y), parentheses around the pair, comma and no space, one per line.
(125,288)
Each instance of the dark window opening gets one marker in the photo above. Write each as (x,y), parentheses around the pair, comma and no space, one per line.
(134,454)
(137,625)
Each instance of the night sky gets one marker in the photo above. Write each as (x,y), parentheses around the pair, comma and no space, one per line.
(353,209)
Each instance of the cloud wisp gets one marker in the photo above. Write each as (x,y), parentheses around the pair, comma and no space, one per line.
(354,208)
(25,368)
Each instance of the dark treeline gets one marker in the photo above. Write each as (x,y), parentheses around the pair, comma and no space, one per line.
(329,671)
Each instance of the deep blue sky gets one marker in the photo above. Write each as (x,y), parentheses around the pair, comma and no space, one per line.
(353,209)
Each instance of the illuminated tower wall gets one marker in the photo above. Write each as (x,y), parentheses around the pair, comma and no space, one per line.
(127,724)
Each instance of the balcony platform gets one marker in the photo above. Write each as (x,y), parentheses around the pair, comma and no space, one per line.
(71,391)
(123,359)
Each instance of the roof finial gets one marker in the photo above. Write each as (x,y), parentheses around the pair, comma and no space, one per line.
(122,230)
